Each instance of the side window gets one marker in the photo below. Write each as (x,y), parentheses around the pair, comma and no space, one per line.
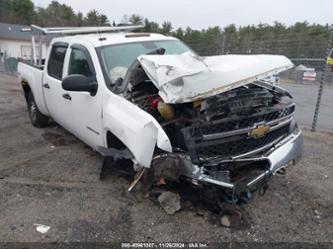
(56,61)
(79,63)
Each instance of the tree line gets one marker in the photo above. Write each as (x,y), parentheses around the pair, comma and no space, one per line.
(55,14)
(298,40)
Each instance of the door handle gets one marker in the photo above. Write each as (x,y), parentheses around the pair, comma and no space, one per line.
(46,86)
(67,96)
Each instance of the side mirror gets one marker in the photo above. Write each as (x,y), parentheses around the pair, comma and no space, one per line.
(80,83)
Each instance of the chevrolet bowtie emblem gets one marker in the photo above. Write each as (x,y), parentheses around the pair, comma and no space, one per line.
(259,131)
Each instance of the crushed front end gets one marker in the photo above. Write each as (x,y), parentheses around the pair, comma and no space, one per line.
(230,136)
(244,136)
(234,140)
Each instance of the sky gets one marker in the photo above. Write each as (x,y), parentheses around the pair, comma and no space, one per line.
(199,14)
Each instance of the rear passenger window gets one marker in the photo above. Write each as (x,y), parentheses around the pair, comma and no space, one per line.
(56,62)
(79,63)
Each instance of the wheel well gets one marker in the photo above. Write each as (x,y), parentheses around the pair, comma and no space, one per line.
(114,142)
(26,89)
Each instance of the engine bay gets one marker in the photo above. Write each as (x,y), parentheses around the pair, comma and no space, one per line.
(233,110)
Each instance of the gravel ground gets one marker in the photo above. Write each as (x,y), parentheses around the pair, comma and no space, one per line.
(49,177)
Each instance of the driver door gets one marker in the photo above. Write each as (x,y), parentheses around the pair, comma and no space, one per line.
(84,109)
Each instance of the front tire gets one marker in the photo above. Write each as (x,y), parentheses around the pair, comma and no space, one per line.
(37,118)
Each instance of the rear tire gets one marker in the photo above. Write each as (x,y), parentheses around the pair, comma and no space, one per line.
(37,118)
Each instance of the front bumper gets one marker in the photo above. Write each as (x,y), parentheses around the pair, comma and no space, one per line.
(279,156)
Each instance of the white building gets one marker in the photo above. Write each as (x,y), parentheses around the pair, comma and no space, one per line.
(16,43)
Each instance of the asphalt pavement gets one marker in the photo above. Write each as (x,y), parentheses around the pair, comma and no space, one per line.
(305,96)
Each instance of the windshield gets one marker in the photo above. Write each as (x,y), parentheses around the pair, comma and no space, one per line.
(116,59)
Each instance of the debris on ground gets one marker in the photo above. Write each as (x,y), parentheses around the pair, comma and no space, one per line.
(232,219)
(225,221)
(42,228)
(317,214)
(170,202)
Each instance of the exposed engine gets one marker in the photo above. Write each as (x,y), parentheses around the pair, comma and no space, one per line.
(237,109)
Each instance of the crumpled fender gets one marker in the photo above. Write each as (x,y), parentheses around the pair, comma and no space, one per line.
(137,129)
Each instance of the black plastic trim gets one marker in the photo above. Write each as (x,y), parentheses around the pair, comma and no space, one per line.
(86,51)
(60,44)
(56,44)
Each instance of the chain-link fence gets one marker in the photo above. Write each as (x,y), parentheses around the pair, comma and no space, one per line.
(310,81)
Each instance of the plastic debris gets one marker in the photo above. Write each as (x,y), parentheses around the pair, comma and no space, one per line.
(225,221)
(42,228)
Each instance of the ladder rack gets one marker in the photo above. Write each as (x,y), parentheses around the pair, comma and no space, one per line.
(81,30)
(41,34)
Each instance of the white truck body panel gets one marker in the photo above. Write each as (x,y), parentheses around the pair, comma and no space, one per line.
(111,39)
(137,129)
(34,77)
(186,77)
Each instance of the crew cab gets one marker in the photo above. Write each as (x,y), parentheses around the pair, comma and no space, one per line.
(151,100)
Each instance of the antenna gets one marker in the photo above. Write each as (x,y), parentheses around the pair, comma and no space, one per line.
(99,34)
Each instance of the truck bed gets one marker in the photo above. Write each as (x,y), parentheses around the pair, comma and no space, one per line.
(30,63)
(33,74)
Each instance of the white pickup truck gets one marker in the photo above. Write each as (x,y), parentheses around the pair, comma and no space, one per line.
(152,100)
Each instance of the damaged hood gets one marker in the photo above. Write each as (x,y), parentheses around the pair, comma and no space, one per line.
(186,77)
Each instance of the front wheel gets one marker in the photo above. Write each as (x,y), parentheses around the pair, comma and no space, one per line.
(37,118)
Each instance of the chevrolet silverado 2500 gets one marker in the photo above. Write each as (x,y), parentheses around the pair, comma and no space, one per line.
(150,99)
